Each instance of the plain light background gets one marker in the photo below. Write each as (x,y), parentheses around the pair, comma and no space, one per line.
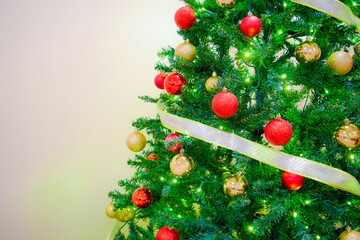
(70,75)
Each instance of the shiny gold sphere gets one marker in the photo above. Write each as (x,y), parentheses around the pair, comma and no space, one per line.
(340,62)
(307,52)
(357,49)
(347,135)
(110,211)
(181,164)
(186,51)
(349,234)
(211,84)
(136,141)
(235,185)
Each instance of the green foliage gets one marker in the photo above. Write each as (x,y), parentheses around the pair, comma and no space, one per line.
(310,97)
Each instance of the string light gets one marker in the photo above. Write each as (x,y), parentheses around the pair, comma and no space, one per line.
(247,54)
(162,179)
(354,4)
(283,76)
(251,228)
(307,227)
(352,157)
(179,216)
(280,32)
(318,237)
(288,88)
(285,5)
(349,203)
(247,80)
(307,202)
(199,190)
(221,127)
(295,214)
(174,181)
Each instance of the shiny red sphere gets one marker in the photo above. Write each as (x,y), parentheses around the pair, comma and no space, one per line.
(225,104)
(185,17)
(142,197)
(173,83)
(159,80)
(250,26)
(172,142)
(292,181)
(166,233)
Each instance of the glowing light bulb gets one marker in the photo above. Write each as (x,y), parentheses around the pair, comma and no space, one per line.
(251,228)
(247,54)
(175,181)
(285,5)
(295,214)
(307,202)
(283,76)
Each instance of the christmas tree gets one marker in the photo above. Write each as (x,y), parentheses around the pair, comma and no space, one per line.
(256,134)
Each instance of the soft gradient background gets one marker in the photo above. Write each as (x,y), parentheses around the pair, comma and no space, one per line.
(70,74)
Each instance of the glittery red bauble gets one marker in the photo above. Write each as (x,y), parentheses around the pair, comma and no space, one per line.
(185,17)
(142,197)
(173,83)
(159,80)
(278,132)
(292,181)
(166,233)
(225,104)
(172,142)
(250,26)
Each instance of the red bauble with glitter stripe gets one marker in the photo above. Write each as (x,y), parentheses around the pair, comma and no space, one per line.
(173,83)
(166,233)
(142,197)
(185,17)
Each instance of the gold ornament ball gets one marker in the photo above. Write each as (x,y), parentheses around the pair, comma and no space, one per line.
(186,51)
(347,135)
(349,234)
(181,164)
(126,214)
(110,211)
(136,141)
(211,83)
(307,52)
(235,185)
(357,49)
(340,62)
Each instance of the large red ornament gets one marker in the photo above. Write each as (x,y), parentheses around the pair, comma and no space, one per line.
(250,26)
(278,131)
(173,83)
(173,142)
(142,197)
(225,104)
(159,80)
(292,181)
(166,233)
(185,17)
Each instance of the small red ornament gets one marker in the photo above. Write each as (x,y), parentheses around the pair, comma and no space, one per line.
(166,233)
(278,131)
(225,104)
(159,80)
(173,142)
(250,26)
(151,157)
(142,197)
(173,83)
(185,17)
(292,181)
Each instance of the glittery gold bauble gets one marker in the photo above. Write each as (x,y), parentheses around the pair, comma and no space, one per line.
(186,51)
(211,83)
(110,211)
(235,185)
(357,49)
(181,164)
(349,234)
(307,52)
(126,214)
(347,135)
(136,141)
(340,62)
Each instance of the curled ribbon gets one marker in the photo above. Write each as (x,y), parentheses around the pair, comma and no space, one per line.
(286,162)
(334,8)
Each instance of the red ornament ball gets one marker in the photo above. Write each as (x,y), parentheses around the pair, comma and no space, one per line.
(142,198)
(166,233)
(250,26)
(278,131)
(159,80)
(151,157)
(225,104)
(185,17)
(292,181)
(173,142)
(173,83)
